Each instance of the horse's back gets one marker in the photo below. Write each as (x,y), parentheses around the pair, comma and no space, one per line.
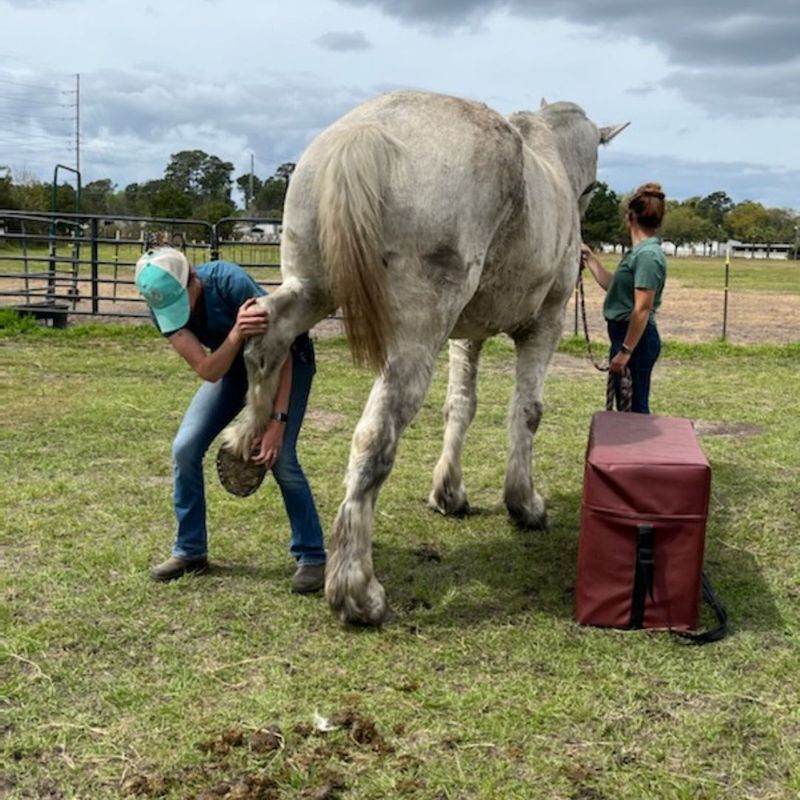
(461,163)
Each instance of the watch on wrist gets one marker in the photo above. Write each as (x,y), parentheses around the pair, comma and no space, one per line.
(280,416)
(625,349)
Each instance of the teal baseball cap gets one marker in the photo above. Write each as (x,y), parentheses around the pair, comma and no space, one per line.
(162,276)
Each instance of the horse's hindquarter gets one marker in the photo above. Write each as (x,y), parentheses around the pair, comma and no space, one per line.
(459,175)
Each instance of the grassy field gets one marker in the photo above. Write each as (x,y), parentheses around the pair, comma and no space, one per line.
(483,688)
(744,274)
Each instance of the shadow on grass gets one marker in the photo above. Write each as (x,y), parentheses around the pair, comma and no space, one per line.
(506,575)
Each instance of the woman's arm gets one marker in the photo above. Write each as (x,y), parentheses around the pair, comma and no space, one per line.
(642,304)
(250,321)
(601,274)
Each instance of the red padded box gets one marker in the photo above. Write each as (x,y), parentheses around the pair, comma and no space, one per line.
(643,522)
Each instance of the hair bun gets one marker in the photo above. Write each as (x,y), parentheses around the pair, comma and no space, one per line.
(651,190)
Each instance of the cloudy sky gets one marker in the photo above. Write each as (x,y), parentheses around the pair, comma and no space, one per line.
(711,88)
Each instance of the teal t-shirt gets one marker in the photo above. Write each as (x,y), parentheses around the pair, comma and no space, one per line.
(642,267)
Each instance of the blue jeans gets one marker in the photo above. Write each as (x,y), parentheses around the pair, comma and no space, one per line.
(213,407)
(641,362)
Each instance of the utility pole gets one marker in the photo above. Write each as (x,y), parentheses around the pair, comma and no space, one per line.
(78,122)
(252,167)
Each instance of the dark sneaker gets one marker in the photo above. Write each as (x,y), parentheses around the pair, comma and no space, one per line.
(175,567)
(308,579)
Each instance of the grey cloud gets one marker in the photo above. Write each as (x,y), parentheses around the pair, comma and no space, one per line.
(708,44)
(275,120)
(689,32)
(341,41)
(751,92)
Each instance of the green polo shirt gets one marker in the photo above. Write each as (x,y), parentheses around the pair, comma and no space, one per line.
(642,267)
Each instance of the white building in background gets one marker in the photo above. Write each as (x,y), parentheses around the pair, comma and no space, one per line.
(266,232)
(779,252)
(755,250)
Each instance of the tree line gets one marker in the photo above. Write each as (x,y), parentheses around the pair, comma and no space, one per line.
(196,185)
(696,220)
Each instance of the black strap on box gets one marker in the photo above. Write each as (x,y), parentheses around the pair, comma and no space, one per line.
(643,577)
(643,588)
(714,634)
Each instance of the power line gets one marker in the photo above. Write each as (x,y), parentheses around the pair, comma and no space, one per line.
(32,118)
(40,87)
(19,98)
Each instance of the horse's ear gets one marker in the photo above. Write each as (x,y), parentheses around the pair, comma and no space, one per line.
(607,134)
(543,104)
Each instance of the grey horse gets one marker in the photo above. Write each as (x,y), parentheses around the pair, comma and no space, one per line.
(425,218)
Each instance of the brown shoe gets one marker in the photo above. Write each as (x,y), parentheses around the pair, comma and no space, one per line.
(175,566)
(308,579)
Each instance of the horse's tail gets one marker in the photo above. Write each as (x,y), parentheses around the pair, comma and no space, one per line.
(351,187)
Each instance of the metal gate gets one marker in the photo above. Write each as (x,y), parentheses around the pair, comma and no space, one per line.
(56,265)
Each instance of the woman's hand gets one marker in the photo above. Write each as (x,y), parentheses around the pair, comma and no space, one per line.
(586,252)
(600,273)
(269,448)
(618,363)
(251,320)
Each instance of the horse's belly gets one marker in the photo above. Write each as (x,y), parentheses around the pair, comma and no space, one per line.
(487,315)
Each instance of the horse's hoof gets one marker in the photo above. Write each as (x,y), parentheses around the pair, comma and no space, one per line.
(448,504)
(389,617)
(527,520)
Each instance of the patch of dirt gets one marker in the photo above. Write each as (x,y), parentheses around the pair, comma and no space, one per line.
(696,315)
(363,730)
(322,419)
(247,787)
(219,779)
(715,428)
(264,740)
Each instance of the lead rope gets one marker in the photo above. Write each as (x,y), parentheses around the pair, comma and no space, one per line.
(619,388)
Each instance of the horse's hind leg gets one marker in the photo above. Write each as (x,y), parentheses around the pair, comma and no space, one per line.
(351,587)
(449,496)
(293,309)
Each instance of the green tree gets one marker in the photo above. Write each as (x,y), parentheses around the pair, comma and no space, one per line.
(600,224)
(66,198)
(749,222)
(167,201)
(684,225)
(215,179)
(215,210)
(184,170)
(715,206)
(284,171)
(96,196)
(31,195)
(201,176)
(6,193)
(269,200)
(244,183)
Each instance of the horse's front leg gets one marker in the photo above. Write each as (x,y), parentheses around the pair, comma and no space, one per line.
(351,587)
(291,310)
(534,350)
(449,496)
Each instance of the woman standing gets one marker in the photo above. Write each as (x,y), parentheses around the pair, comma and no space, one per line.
(633,293)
